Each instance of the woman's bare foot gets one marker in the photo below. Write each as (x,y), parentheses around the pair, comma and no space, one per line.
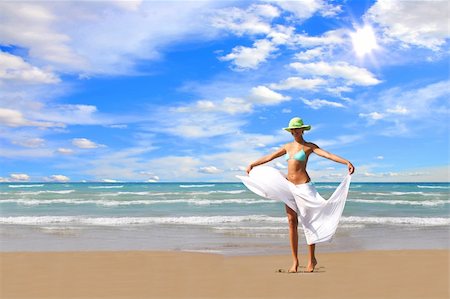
(311,266)
(294,267)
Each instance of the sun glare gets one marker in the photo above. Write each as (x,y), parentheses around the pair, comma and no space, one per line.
(364,40)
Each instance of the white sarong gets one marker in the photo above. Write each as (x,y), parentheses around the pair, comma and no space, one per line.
(319,217)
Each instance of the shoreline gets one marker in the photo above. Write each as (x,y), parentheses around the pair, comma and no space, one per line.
(181,274)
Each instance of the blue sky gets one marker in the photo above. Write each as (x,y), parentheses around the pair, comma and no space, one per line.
(196,90)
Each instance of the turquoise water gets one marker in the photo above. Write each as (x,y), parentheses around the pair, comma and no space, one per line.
(214,217)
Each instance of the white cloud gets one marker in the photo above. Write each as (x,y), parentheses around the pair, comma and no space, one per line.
(418,23)
(31,142)
(228,105)
(34,153)
(310,54)
(88,37)
(304,9)
(263,95)
(329,38)
(252,142)
(85,143)
(64,151)
(153,179)
(210,170)
(402,107)
(318,103)
(19,177)
(297,83)
(14,69)
(379,157)
(352,74)
(282,35)
(31,25)
(372,115)
(250,58)
(192,124)
(397,110)
(59,178)
(253,20)
(339,140)
(70,114)
(14,118)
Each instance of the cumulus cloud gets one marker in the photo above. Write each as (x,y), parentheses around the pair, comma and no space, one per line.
(85,143)
(263,95)
(352,74)
(310,54)
(250,57)
(19,177)
(210,170)
(319,103)
(417,23)
(253,20)
(13,69)
(59,178)
(304,9)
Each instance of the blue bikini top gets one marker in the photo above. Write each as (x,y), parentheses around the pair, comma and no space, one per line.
(299,156)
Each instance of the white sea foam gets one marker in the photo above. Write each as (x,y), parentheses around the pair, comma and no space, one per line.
(210,220)
(426,203)
(400,193)
(26,186)
(252,228)
(413,221)
(112,203)
(325,187)
(433,187)
(217,191)
(197,186)
(126,221)
(46,191)
(106,187)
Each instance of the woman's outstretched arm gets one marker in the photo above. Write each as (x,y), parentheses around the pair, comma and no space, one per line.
(267,158)
(323,153)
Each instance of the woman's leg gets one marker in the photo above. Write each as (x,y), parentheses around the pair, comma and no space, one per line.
(293,236)
(312,262)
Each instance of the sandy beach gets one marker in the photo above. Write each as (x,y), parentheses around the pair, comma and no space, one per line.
(142,274)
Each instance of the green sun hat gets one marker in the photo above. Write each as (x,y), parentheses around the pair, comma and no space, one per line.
(297,123)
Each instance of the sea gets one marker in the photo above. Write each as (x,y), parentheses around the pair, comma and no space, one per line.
(223,218)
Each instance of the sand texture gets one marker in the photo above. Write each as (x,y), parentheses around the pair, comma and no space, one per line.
(139,274)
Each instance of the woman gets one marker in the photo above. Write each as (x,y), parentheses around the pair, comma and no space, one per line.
(313,209)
